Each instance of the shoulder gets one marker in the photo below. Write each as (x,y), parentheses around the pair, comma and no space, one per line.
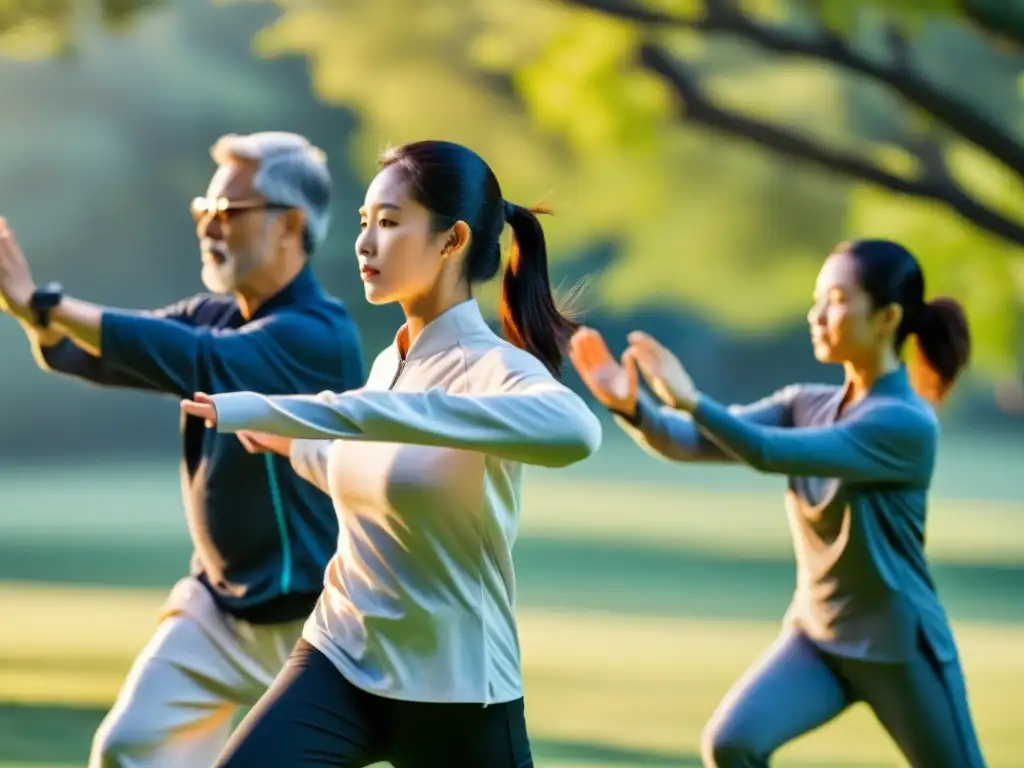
(333,310)
(900,426)
(308,338)
(199,310)
(492,364)
(316,319)
(906,415)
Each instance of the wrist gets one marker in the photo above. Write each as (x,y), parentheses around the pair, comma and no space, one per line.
(688,404)
(44,337)
(43,303)
(21,310)
(630,413)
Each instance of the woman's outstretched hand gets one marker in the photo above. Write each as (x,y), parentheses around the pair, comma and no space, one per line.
(615,384)
(261,442)
(201,406)
(663,372)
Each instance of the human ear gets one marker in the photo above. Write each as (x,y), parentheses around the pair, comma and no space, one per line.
(457,240)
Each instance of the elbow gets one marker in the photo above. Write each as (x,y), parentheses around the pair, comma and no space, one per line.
(759,462)
(579,444)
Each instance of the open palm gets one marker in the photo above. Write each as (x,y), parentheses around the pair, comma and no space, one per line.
(662,371)
(614,384)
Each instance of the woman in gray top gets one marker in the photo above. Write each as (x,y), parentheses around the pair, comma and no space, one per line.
(865,623)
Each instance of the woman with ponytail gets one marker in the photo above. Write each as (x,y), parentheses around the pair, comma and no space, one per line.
(866,624)
(411,655)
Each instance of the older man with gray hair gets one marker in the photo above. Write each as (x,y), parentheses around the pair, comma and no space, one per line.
(262,536)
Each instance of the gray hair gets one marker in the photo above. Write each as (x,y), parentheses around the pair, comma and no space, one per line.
(291,172)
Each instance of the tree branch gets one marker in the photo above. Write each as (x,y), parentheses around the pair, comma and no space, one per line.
(724,17)
(1002,19)
(935,182)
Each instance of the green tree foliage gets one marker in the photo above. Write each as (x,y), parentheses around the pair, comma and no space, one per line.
(912,109)
(554,99)
(33,28)
(717,148)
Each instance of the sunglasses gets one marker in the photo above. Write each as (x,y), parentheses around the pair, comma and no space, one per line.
(221,208)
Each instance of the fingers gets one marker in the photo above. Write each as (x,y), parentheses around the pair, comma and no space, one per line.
(9,251)
(629,366)
(642,340)
(5,241)
(649,366)
(583,356)
(193,408)
(588,347)
(645,358)
(202,411)
(249,443)
(202,397)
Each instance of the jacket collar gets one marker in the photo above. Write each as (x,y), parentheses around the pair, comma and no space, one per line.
(443,332)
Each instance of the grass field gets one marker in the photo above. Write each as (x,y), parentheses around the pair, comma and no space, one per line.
(638,606)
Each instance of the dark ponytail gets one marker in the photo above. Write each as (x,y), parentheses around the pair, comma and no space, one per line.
(890,274)
(455,184)
(527,310)
(943,345)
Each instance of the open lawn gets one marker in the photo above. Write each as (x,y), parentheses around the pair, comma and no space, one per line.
(638,605)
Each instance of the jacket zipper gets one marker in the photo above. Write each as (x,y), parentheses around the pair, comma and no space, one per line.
(401,367)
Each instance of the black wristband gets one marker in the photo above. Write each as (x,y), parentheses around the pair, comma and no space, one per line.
(44,300)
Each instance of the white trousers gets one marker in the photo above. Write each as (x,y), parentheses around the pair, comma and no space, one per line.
(178,704)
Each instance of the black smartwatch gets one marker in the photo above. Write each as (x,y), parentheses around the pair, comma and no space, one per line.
(44,301)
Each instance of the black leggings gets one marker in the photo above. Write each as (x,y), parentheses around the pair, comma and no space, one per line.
(312,717)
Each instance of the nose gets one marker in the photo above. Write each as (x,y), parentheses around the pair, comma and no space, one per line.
(815,315)
(209,226)
(365,245)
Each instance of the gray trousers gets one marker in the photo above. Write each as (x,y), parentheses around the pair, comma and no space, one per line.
(797,687)
(177,707)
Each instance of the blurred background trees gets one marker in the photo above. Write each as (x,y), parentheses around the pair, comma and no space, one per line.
(702,155)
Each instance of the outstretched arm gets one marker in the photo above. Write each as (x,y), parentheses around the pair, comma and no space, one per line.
(878,443)
(81,357)
(73,323)
(272,354)
(674,435)
(529,417)
(170,350)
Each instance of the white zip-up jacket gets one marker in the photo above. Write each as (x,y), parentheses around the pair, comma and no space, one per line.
(424,466)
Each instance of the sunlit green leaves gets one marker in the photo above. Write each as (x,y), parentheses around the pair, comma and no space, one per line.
(32,29)
(586,86)
(555,100)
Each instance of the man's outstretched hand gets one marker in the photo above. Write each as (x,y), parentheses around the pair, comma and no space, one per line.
(16,284)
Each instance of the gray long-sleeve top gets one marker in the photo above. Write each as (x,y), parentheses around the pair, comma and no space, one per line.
(425,466)
(857,503)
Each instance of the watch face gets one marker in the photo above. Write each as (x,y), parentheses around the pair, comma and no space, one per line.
(46,300)
(48,296)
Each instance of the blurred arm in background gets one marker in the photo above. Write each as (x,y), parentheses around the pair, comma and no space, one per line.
(658,429)
(74,348)
(200,343)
